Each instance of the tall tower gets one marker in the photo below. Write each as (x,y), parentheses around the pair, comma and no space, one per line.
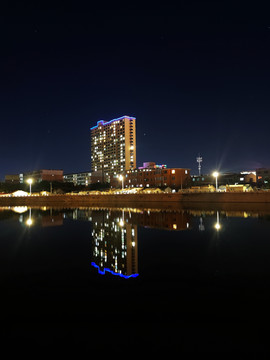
(199,161)
(113,146)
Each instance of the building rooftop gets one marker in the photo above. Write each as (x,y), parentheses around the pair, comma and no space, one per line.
(103,122)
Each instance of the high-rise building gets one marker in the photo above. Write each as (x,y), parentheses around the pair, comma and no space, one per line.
(113,147)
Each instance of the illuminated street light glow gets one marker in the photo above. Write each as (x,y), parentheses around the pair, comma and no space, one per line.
(121,178)
(122,220)
(30,181)
(217,224)
(29,222)
(216,174)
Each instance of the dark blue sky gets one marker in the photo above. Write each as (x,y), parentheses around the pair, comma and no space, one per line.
(197,81)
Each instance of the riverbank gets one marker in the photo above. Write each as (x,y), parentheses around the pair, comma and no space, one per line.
(137,200)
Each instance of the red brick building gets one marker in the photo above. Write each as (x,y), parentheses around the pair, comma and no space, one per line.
(157,176)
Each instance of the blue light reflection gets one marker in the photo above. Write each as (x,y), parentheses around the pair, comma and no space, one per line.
(102,272)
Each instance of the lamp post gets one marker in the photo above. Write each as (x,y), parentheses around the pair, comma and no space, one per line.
(121,178)
(30,181)
(215,174)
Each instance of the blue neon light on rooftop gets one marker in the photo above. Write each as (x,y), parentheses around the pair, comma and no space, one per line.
(102,122)
(102,272)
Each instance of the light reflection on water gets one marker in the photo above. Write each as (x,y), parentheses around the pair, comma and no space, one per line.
(181,266)
(114,234)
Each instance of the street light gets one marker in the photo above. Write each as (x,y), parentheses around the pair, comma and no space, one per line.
(121,178)
(30,181)
(215,174)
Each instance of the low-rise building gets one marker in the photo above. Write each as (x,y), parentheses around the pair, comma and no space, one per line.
(248,177)
(245,177)
(14,178)
(263,176)
(152,175)
(44,175)
(81,178)
(36,176)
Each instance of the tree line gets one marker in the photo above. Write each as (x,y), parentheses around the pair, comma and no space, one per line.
(55,187)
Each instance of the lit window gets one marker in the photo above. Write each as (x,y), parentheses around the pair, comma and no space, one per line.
(173,171)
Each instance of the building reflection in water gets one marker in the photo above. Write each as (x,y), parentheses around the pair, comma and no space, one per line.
(201,225)
(114,244)
(44,216)
(115,237)
(115,231)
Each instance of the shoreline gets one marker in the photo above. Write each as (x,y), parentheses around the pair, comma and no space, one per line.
(166,200)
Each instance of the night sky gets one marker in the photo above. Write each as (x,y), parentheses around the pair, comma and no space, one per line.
(196,79)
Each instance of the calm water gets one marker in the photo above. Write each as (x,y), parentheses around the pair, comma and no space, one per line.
(192,280)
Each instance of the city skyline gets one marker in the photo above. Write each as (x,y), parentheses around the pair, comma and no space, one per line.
(197,83)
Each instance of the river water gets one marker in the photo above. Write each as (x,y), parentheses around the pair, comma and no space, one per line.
(188,280)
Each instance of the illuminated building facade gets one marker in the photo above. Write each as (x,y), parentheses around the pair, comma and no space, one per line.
(152,175)
(82,178)
(113,147)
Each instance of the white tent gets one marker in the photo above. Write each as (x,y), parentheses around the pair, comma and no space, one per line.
(20,193)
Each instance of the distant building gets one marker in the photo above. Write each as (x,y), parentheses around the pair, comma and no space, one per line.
(81,178)
(14,179)
(152,175)
(37,176)
(245,177)
(248,177)
(202,180)
(113,147)
(263,176)
(44,175)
